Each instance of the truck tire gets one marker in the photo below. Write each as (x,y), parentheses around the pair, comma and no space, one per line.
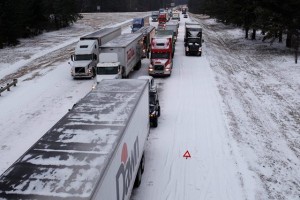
(143,163)
(94,73)
(186,53)
(138,65)
(158,112)
(154,122)
(138,178)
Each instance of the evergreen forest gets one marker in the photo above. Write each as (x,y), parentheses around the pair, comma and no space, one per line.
(274,18)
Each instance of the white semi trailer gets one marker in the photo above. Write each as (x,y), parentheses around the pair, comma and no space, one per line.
(87,52)
(95,152)
(129,50)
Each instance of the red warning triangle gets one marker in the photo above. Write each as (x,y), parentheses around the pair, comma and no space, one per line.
(187,155)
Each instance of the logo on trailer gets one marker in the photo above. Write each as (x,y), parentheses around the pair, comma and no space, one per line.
(125,173)
(130,54)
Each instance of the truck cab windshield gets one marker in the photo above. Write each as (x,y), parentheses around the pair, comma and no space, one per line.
(107,70)
(136,25)
(160,56)
(83,57)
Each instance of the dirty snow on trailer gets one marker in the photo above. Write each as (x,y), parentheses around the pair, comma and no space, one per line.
(72,158)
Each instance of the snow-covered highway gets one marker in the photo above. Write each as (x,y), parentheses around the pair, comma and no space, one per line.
(235,109)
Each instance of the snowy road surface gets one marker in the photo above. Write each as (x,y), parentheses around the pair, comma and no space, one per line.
(191,119)
(235,109)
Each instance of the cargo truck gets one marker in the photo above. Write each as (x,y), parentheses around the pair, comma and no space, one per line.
(154,16)
(173,26)
(138,23)
(168,33)
(193,39)
(128,49)
(108,67)
(162,18)
(161,58)
(87,51)
(176,16)
(148,33)
(95,152)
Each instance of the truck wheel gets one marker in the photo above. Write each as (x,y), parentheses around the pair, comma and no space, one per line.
(186,53)
(158,111)
(200,54)
(138,65)
(143,163)
(154,122)
(94,73)
(138,178)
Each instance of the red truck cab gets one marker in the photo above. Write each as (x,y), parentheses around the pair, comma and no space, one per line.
(162,18)
(161,59)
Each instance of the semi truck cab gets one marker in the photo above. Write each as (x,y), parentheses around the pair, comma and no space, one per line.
(85,58)
(161,61)
(108,67)
(137,23)
(193,39)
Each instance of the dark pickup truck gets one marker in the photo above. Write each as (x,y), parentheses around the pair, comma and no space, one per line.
(154,109)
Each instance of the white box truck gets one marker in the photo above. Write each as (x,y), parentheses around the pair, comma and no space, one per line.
(108,67)
(95,152)
(86,54)
(128,47)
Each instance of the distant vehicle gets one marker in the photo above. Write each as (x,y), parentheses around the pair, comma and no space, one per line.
(96,151)
(154,16)
(162,18)
(176,16)
(193,39)
(173,27)
(87,51)
(184,10)
(162,10)
(128,48)
(185,16)
(137,23)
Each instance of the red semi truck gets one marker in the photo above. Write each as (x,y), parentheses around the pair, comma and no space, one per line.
(162,18)
(161,59)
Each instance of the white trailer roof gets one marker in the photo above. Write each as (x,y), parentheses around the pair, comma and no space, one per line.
(100,33)
(123,40)
(70,159)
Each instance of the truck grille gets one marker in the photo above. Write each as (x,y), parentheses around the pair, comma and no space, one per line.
(158,67)
(79,70)
(194,48)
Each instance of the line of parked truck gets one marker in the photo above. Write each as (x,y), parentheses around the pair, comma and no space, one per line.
(95,151)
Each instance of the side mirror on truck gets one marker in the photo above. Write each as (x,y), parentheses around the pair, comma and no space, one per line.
(95,57)
(72,57)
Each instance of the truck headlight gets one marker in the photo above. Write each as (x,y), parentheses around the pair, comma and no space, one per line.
(168,67)
(187,49)
(200,49)
(150,67)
